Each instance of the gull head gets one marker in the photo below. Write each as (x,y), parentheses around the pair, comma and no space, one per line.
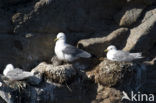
(60,36)
(8,68)
(111,47)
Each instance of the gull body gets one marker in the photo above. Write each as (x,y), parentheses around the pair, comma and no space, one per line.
(118,55)
(67,52)
(15,73)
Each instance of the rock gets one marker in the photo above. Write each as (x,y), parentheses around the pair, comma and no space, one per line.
(109,95)
(68,17)
(20,91)
(27,30)
(80,90)
(5,24)
(142,37)
(97,46)
(58,74)
(148,14)
(110,73)
(36,79)
(25,52)
(15,2)
(143,2)
(128,16)
(150,76)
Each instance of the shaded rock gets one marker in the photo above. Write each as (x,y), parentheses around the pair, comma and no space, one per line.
(32,43)
(8,51)
(13,2)
(36,79)
(25,52)
(150,76)
(38,47)
(68,16)
(59,74)
(143,2)
(97,46)
(143,36)
(5,23)
(128,16)
(81,90)
(20,92)
(109,73)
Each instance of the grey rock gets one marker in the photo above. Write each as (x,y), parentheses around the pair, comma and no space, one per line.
(5,23)
(48,91)
(26,51)
(128,16)
(97,46)
(66,16)
(142,37)
(36,79)
(148,14)
(142,2)
(13,2)
(20,91)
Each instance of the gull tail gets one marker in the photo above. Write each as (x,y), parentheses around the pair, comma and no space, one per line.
(137,55)
(8,68)
(85,54)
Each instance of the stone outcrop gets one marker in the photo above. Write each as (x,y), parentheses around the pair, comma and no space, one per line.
(142,37)
(97,46)
(27,30)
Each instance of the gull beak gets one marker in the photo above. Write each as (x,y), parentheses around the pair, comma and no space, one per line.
(106,50)
(55,39)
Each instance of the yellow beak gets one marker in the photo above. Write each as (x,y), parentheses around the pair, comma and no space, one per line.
(106,50)
(55,39)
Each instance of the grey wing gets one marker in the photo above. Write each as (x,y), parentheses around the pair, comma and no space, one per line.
(122,56)
(18,74)
(72,50)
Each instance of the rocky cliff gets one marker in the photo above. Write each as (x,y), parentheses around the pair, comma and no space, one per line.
(27,30)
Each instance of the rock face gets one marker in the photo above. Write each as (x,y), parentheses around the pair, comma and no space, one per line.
(143,35)
(65,84)
(27,30)
(22,50)
(5,23)
(97,46)
(65,16)
(128,16)
(51,88)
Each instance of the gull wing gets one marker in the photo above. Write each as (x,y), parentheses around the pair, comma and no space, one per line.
(71,50)
(122,56)
(18,74)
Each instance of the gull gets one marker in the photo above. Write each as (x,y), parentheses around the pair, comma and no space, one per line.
(15,73)
(118,55)
(67,52)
